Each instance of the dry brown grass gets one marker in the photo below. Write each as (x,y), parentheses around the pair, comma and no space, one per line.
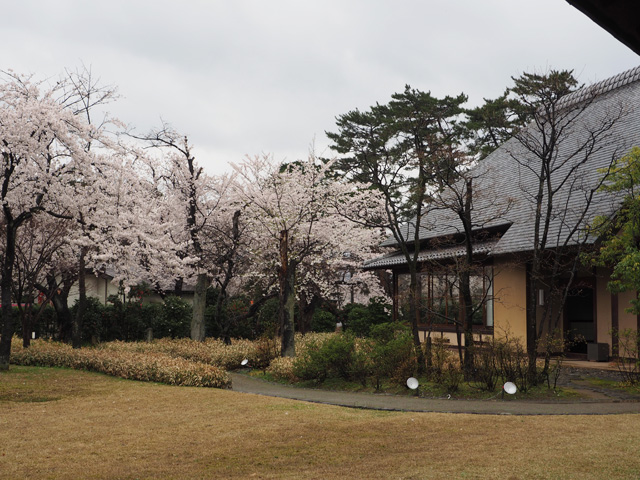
(65,424)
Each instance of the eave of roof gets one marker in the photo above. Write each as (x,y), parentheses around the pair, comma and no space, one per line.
(397,258)
(618,17)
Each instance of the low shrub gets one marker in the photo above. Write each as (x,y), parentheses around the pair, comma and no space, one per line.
(391,353)
(359,318)
(512,361)
(129,364)
(336,356)
(486,369)
(442,358)
(282,369)
(452,378)
(323,321)
(308,340)
(311,364)
(212,351)
(266,350)
(628,355)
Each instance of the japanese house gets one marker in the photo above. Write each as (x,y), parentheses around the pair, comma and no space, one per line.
(604,124)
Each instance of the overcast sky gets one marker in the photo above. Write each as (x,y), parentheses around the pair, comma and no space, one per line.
(269,76)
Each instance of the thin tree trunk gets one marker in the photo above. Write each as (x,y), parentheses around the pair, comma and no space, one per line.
(532,321)
(464,274)
(306,309)
(414,312)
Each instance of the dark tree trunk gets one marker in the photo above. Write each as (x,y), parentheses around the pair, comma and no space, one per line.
(414,313)
(286,279)
(225,325)
(199,306)
(465,279)
(306,309)
(229,262)
(60,302)
(76,329)
(27,325)
(532,320)
(5,294)
(177,289)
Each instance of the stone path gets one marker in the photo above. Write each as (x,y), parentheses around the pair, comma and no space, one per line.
(599,401)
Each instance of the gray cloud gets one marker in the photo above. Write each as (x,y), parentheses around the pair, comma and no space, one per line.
(250,76)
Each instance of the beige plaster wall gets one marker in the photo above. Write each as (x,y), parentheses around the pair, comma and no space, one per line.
(97,287)
(625,319)
(510,300)
(603,307)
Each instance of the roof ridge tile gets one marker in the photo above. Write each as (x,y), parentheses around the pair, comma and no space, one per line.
(601,87)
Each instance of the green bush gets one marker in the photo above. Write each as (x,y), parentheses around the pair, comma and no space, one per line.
(46,325)
(92,319)
(337,356)
(266,320)
(392,353)
(360,318)
(357,319)
(174,320)
(312,364)
(323,321)
(126,321)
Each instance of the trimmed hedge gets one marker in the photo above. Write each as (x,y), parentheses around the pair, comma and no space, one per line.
(212,351)
(123,363)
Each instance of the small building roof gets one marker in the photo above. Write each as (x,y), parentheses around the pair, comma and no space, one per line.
(429,254)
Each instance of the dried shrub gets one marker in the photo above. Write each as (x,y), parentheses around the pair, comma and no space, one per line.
(628,355)
(211,351)
(282,369)
(452,377)
(441,358)
(513,362)
(130,364)
(487,370)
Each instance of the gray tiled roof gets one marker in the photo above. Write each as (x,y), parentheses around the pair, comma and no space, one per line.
(398,258)
(504,182)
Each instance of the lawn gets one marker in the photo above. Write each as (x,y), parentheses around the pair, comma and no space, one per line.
(57,423)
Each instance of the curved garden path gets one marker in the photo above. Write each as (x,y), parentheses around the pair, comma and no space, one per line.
(594,401)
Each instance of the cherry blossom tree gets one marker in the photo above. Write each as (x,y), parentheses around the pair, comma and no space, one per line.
(41,238)
(198,207)
(61,159)
(296,227)
(42,144)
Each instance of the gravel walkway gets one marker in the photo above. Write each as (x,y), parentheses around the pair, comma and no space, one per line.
(597,401)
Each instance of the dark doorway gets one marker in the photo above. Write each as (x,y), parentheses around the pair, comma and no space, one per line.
(579,319)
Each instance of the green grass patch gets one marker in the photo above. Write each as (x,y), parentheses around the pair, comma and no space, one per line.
(614,385)
(41,384)
(428,389)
